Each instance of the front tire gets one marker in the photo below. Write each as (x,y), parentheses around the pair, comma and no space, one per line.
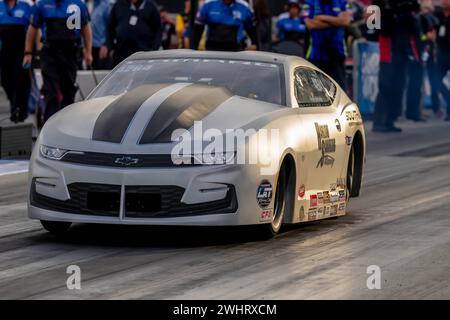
(56,227)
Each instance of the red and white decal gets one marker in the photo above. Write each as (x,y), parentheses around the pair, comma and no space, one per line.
(301,192)
(266,215)
(313,202)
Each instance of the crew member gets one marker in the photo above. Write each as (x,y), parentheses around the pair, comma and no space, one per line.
(291,27)
(400,57)
(429,27)
(327,19)
(182,26)
(16,80)
(168,29)
(134,25)
(64,23)
(99,12)
(443,52)
(226,20)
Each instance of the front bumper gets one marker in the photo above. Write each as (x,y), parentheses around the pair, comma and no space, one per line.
(208,184)
(204,220)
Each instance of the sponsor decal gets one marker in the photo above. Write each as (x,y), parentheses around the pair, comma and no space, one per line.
(313,202)
(329,146)
(342,196)
(320,211)
(322,133)
(326,145)
(326,211)
(348,140)
(320,198)
(334,210)
(312,214)
(266,215)
(264,194)
(341,208)
(334,197)
(338,125)
(301,192)
(353,118)
(326,197)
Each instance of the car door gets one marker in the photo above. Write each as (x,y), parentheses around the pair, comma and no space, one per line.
(315,95)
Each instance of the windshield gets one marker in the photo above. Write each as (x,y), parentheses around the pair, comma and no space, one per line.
(254,80)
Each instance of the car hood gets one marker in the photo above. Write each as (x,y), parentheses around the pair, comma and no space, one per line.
(146,119)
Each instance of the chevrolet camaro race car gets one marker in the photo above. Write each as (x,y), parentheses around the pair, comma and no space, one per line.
(193,138)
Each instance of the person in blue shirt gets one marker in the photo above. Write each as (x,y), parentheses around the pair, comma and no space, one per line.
(16,81)
(291,27)
(227,22)
(64,24)
(326,20)
(291,31)
(99,21)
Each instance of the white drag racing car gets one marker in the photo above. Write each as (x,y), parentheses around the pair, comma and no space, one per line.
(202,139)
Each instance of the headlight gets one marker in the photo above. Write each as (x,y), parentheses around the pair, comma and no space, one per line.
(52,153)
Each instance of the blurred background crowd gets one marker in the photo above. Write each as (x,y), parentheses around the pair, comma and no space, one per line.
(412,47)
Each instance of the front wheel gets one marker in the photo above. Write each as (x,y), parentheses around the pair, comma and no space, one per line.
(56,227)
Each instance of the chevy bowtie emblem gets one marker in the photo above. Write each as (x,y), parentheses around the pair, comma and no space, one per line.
(126,161)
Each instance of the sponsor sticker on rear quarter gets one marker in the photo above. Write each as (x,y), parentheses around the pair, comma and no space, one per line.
(320,211)
(301,192)
(312,214)
(342,196)
(320,198)
(342,207)
(326,197)
(334,210)
(334,197)
(313,202)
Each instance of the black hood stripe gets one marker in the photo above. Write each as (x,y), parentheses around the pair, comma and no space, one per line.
(181,110)
(113,122)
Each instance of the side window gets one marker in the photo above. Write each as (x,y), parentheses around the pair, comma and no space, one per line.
(329,86)
(309,89)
